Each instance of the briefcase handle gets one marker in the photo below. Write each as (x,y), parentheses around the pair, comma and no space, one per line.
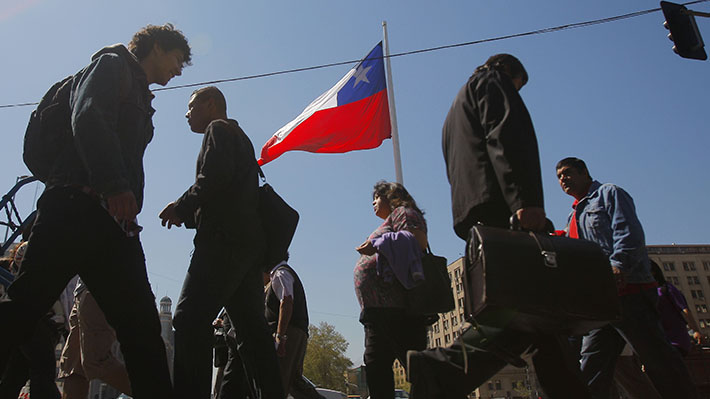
(515,224)
(547,250)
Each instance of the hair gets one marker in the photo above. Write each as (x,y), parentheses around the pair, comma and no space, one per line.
(657,273)
(395,194)
(574,163)
(214,93)
(506,64)
(165,36)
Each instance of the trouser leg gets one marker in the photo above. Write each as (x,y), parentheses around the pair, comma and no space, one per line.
(600,349)
(98,346)
(631,379)
(556,369)
(389,334)
(641,328)
(256,345)
(235,383)
(378,358)
(42,359)
(15,375)
(288,366)
(76,386)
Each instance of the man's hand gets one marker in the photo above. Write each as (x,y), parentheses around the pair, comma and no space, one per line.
(122,206)
(169,217)
(531,218)
(366,248)
(618,277)
(280,346)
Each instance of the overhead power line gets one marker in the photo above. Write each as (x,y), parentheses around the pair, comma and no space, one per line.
(426,50)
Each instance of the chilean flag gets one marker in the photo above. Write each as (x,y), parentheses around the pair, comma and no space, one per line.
(352,115)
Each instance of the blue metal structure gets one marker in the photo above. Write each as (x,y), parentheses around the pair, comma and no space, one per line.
(14,222)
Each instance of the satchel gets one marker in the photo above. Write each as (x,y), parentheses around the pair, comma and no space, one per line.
(537,282)
(279,221)
(434,295)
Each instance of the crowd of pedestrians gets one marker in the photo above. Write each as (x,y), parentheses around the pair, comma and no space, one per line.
(95,191)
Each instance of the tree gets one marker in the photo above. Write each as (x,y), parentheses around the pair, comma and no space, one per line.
(325,363)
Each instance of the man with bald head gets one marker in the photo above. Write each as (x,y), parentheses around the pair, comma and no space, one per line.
(225,270)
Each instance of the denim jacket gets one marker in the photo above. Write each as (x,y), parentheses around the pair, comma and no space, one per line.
(111,119)
(607,216)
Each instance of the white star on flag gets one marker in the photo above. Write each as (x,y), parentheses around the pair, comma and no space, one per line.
(361,75)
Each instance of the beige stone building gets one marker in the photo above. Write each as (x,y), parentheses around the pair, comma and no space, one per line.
(687,267)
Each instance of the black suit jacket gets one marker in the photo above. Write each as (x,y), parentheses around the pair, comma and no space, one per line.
(491,153)
(222,203)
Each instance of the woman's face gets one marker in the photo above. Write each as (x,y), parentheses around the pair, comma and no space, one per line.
(381,207)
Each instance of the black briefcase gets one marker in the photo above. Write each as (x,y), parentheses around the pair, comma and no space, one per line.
(538,283)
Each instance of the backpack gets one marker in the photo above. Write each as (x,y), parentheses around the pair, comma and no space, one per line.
(49,130)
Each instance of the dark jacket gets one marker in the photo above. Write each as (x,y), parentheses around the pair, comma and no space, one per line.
(491,152)
(111,119)
(299,316)
(222,203)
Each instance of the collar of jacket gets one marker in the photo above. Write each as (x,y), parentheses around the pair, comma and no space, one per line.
(121,50)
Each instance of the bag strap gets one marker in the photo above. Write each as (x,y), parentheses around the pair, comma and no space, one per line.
(261,174)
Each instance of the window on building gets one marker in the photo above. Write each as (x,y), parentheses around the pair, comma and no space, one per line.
(447,339)
(454,321)
(490,385)
(701,295)
(458,274)
(461,301)
(499,386)
(704,308)
(688,266)
(446,325)
(455,334)
(690,280)
(706,265)
(669,266)
(677,282)
(438,342)
(702,323)
(696,280)
(436,328)
(693,294)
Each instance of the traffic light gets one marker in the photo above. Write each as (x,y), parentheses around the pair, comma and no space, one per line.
(684,31)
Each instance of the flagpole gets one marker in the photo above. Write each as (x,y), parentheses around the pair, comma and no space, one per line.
(393,112)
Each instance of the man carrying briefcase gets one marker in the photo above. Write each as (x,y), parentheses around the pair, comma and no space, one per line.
(493,167)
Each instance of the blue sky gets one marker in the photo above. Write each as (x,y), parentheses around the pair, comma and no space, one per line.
(613,94)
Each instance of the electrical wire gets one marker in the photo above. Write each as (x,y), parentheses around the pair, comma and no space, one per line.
(420,51)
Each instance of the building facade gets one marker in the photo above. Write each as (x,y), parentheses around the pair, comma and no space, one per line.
(687,267)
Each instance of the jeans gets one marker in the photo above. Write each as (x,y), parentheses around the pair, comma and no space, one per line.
(73,235)
(223,274)
(640,327)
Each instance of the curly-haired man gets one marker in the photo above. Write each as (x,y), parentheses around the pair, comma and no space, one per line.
(93,194)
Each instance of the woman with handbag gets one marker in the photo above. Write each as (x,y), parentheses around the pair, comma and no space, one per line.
(388,264)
